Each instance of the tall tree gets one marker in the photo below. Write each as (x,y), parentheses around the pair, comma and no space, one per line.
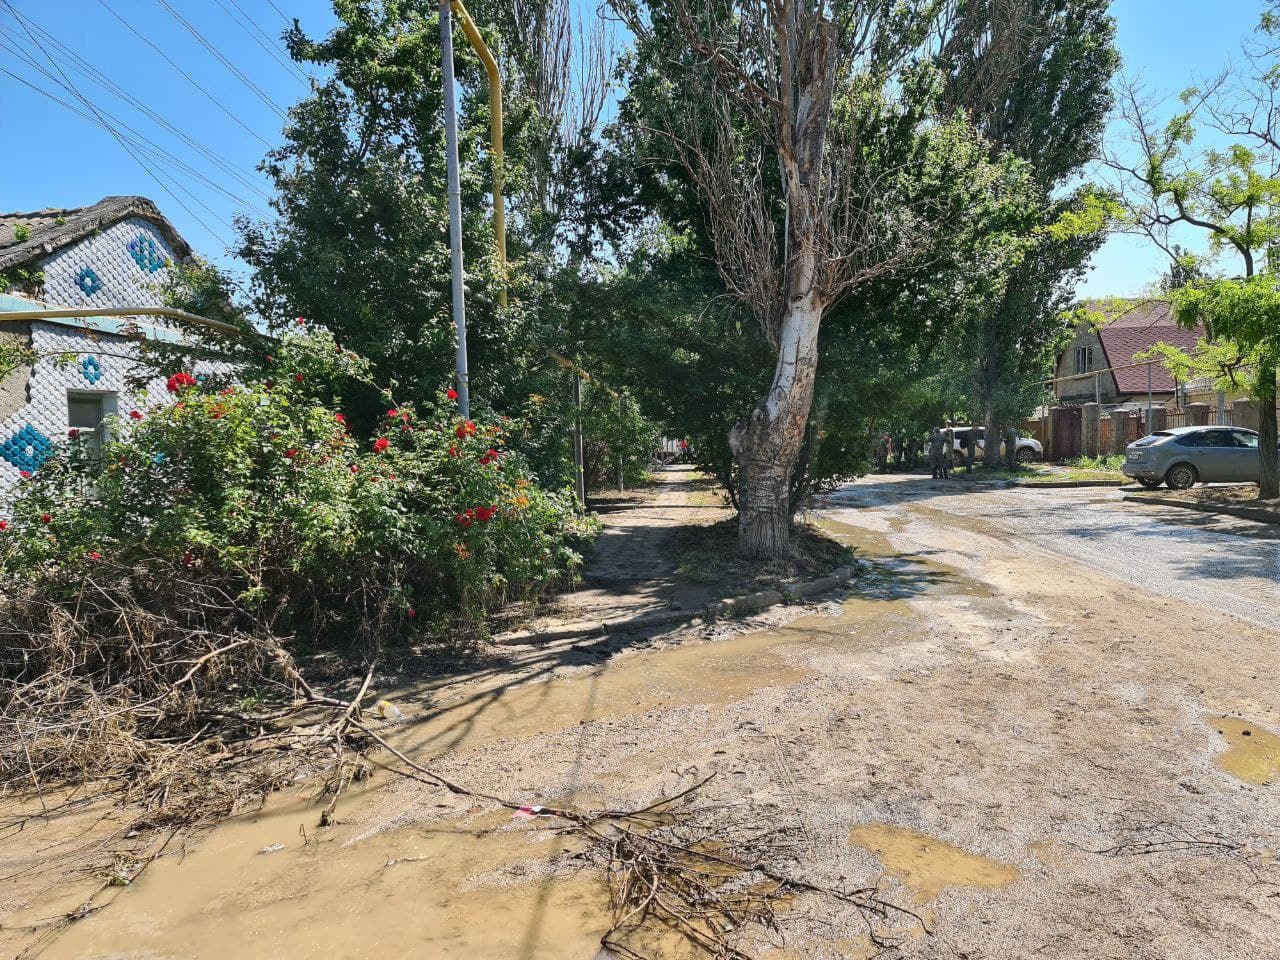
(1035,77)
(802,126)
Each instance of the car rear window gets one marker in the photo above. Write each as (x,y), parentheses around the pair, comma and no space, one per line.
(1154,438)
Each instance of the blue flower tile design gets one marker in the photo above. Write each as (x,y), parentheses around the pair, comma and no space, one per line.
(27,449)
(91,369)
(88,281)
(146,254)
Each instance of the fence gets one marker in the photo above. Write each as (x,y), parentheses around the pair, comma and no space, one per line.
(1069,432)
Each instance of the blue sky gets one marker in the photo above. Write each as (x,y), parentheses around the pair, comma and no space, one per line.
(53,157)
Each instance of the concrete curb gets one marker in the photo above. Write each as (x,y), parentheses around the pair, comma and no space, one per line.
(1245,513)
(1063,484)
(728,607)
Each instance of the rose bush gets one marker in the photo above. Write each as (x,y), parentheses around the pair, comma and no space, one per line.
(262,488)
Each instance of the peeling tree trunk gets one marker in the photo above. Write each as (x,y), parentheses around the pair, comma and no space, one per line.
(767,444)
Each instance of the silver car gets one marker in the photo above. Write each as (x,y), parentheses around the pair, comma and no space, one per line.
(1185,456)
(1026,449)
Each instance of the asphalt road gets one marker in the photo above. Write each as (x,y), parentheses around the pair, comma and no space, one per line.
(1225,564)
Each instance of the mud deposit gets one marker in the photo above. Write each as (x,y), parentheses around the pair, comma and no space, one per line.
(991,729)
(926,865)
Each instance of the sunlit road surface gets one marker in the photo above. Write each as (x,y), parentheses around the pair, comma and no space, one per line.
(1222,563)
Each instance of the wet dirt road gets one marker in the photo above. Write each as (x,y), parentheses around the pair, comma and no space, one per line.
(1218,562)
(1037,741)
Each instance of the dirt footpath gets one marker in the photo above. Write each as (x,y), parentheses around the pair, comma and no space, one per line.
(1027,752)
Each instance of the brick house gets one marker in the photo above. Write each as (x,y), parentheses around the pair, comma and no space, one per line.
(1123,330)
(116,253)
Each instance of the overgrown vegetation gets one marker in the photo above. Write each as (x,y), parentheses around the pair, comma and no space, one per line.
(160,590)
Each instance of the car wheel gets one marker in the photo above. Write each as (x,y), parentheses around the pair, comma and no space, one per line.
(1025,455)
(1149,484)
(1181,476)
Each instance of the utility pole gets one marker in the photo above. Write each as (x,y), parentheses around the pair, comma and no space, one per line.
(1148,398)
(579,466)
(622,419)
(455,209)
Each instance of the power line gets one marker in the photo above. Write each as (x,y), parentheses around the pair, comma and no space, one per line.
(138,140)
(140,149)
(169,60)
(70,87)
(257,36)
(258,91)
(91,72)
(281,12)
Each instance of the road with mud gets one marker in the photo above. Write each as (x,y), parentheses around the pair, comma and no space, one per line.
(1042,722)
(1218,562)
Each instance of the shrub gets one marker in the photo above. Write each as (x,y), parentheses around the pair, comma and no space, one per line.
(208,538)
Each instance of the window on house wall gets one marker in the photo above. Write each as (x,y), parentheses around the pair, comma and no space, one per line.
(1084,359)
(87,412)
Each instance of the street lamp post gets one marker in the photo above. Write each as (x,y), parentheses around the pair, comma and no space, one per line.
(455,209)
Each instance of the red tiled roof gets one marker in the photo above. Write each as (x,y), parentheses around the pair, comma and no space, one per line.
(1137,326)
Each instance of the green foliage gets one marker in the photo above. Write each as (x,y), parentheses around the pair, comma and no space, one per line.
(263,490)
(613,428)
(21,279)
(21,233)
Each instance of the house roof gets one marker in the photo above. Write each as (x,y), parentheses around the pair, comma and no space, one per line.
(1130,327)
(53,228)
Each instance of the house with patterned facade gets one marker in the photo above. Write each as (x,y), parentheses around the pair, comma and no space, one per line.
(117,253)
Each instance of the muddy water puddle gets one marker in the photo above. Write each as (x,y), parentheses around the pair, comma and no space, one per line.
(480,888)
(1253,752)
(926,865)
(483,887)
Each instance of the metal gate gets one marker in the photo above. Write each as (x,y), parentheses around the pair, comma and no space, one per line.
(1066,434)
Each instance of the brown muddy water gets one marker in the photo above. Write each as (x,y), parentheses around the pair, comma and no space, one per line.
(479,885)
(927,865)
(1253,753)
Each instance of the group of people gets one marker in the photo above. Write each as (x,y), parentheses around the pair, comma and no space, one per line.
(905,451)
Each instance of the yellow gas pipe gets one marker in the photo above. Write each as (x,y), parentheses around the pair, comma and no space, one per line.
(495,136)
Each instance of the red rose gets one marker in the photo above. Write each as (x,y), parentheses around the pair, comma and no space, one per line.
(188,559)
(4,524)
(45,518)
(391,476)
(381,444)
(301,321)
(73,433)
(341,418)
(451,393)
(135,415)
(298,377)
(355,468)
(393,413)
(453,451)
(94,555)
(462,520)
(411,613)
(270,358)
(26,474)
(291,453)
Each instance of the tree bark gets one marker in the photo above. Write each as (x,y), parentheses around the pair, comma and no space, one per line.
(991,437)
(1269,460)
(767,444)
